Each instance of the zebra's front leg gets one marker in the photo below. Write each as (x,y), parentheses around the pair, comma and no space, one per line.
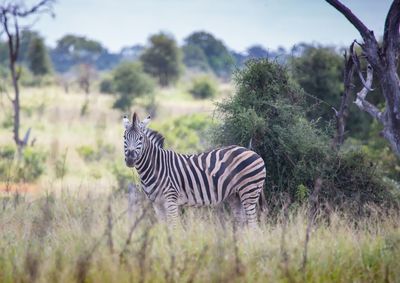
(171,207)
(159,209)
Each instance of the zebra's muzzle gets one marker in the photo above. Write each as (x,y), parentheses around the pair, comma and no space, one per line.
(131,159)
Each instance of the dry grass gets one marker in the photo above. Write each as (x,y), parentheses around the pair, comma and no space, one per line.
(90,238)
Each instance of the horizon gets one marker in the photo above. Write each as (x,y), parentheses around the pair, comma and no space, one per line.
(266,23)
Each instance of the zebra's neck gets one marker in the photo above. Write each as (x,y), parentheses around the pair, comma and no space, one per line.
(148,166)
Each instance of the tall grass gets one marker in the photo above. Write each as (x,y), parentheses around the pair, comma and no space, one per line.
(92,238)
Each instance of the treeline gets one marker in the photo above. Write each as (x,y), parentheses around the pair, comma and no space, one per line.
(201,51)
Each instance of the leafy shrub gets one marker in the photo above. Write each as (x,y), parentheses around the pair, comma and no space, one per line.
(124,176)
(87,153)
(32,165)
(186,133)
(268,113)
(130,82)
(90,154)
(28,169)
(203,87)
(106,86)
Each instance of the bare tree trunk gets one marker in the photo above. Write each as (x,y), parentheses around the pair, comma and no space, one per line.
(384,60)
(13,12)
(343,112)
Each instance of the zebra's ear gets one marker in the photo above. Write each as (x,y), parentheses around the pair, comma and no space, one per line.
(146,121)
(125,122)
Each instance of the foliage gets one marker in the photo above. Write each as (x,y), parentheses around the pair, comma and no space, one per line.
(123,175)
(28,169)
(101,151)
(195,58)
(162,59)
(39,61)
(185,134)
(73,49)
(203,87)
(319,71)
(129,82)
(106,85)
(218,56)
(268,113)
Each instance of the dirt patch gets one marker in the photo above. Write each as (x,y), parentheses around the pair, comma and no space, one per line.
(21,188)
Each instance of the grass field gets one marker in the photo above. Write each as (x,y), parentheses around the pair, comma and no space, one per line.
(80,228)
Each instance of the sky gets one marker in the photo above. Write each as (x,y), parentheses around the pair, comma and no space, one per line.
(238,23)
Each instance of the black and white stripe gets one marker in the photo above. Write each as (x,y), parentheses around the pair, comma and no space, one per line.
(234,174)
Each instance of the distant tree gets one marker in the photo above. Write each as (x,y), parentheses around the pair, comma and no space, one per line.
(73,50)
(194,58)
(129,81)
(10,16)
(319,70)
(38,58)
(26,39)
(256,52)
(219,58)
(162,59)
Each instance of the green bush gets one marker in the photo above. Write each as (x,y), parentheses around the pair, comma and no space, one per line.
(268,113)
(130,82)
(203,87)
(123,175)
(106,86)
(90,154)
(186,134)
(32,165)
(28,169)
(87,153)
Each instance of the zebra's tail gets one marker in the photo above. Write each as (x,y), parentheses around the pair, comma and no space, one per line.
(262,202)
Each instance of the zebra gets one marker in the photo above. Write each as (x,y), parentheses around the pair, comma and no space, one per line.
(233,174)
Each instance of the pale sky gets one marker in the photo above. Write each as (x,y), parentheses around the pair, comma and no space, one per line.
(239,23)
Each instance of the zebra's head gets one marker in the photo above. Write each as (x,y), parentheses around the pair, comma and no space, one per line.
(134,138)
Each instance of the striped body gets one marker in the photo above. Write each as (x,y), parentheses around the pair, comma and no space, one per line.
(169,179)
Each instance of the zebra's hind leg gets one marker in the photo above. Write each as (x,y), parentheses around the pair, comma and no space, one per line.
(237,209)
(249,196)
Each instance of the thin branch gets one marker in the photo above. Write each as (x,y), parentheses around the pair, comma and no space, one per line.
(361,95)
(356,62)
(357,23)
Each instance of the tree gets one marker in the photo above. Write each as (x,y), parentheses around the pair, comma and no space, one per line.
(218,56)
(194,58)
(38,58)
(10,14)
(162,59)
(319,72)
(383,60)
(129,82)
(72,50)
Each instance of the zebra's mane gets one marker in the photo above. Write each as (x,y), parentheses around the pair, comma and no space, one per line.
(155,137)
